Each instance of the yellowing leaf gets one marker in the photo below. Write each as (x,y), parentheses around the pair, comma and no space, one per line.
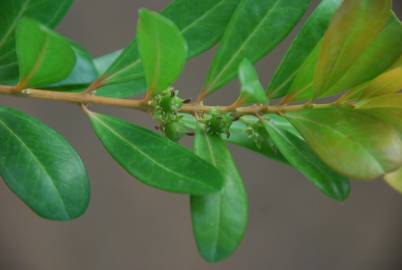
(387,83)
(355,26)
(352,142)
(395,180)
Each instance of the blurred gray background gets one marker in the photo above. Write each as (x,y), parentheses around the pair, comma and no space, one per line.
(131,226)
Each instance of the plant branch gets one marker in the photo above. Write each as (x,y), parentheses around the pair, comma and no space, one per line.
(194,108)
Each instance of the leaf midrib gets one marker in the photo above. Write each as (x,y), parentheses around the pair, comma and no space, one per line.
(14,23)
(219,194)
(46,173)
(38,62)
(371,155)
(239,50)
(116,134)
(182,31)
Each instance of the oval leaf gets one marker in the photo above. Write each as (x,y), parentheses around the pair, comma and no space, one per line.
(48,12)
(300,156)
(252,91)
(163,50)
(44,57)
(155,160)
(355,26)
(219,219)
(256,27)
(351,142)
(192,17)
(41,167)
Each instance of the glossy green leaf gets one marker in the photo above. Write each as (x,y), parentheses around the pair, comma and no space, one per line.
(303,45)
(41,168)
(201,22)
(256,27)
(219,219)
(354,28)
(44,57)
(83,73)
(252,92)
(395,180)
(301,157)
(104,62)
(352,142)
(163,50)
(48,12)
(155,160)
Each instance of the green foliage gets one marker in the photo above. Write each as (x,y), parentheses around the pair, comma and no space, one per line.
(48,12)
(201,25)
(243,37)
(39,65)
(350,51)
(251,91)
(155,160)
(41,167)
(332,134)
(305,42)
(299,155)
(219,219)
(163,51)
(360,34)
(83,73)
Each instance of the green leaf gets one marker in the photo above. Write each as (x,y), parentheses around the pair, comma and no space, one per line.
(395,180)
(252,91)
(256,27)
(201,22)
(302,46)
(301,157)
(301,87)
(352,142)
(355,34)
(41,168)
(163,50)
(219,219)
(83,73)
(155,160)
(48,12)
(104,62)
(44,57)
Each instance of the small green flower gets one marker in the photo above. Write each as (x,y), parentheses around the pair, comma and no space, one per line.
(217,123)
(166,106)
